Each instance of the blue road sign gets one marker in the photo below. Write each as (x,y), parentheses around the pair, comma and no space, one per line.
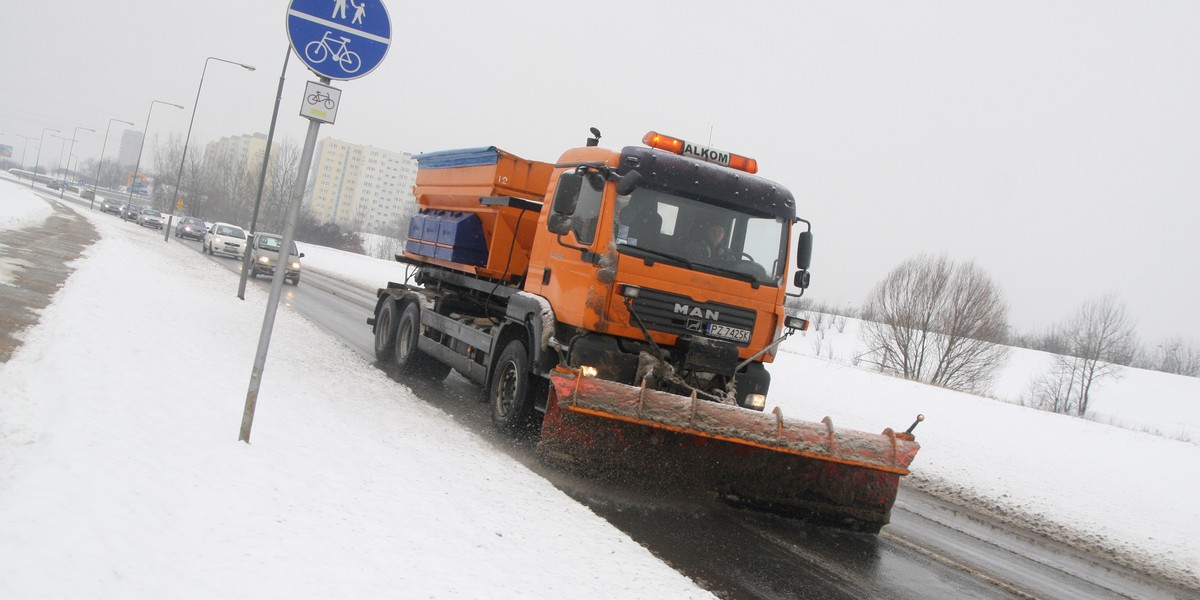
(339,39)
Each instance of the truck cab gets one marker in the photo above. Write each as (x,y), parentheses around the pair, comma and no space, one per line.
(686,266)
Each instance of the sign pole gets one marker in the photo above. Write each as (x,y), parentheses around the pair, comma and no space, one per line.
(289,236)
(342,45)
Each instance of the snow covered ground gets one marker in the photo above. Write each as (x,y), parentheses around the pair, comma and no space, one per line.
(120,475)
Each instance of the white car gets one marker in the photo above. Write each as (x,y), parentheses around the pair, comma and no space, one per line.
(226,239)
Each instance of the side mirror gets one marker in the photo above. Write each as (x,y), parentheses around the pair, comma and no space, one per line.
(567,194)
(558,224)
(804,250)
(301,255)
(801,279)
(628,183)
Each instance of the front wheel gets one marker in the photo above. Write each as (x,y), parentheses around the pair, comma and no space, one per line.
(510,390)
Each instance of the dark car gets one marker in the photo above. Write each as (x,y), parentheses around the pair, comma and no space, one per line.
(131,212)
(111,206)
(191,228)
(87,194)
(54,185)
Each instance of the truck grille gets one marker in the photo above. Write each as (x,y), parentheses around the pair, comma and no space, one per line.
(680,315)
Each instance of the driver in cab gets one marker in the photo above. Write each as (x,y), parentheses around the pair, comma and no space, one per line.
(709,246)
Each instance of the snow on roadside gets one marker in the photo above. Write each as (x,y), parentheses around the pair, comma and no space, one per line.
(121,476)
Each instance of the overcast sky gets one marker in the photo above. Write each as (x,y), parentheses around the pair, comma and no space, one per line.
(1055,143)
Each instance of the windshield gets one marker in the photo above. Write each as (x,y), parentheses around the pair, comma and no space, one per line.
(231,231)
(273,244)
(701,235)
(151,213)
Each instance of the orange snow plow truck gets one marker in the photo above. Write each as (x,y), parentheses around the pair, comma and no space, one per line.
(623,304)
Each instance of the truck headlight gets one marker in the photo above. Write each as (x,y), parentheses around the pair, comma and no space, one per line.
(296,266)
(262,259)
(756,401)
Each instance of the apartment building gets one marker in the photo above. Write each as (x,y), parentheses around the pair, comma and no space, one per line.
(243,152)
(362,188)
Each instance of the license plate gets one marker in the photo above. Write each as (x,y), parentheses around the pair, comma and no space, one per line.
(730,333)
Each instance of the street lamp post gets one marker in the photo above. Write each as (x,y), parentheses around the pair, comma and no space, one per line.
(61,154)
(188,138)
(24,147)
(64,187)
(96,181)
(145,133)
(41,142)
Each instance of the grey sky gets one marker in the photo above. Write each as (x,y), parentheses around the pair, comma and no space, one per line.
(1055,143)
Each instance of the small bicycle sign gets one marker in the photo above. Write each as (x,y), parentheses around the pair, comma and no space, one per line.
(321,98)
(320,102)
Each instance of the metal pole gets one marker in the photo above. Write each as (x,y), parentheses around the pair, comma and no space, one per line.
(170,209)
(41,142)
(24,148)
(142,146)
(96,181)
(61,153)
(64,187)
(289,236)
(262,177)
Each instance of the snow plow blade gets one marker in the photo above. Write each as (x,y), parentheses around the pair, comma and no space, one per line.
(759,460)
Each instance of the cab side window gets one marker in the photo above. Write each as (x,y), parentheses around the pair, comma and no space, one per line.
(587,213)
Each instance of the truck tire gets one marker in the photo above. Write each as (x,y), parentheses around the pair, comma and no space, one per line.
(408,357)
(385,331)
(510,392)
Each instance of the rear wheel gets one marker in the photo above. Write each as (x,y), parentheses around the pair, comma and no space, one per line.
(385,331)
(509,392)
(408,357)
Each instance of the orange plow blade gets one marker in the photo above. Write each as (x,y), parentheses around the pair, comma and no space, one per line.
(616,431)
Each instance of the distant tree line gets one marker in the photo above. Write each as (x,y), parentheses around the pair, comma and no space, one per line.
(946,324)
(226,190)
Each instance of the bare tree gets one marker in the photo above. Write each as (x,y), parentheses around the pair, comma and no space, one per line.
(282,170)
(1097,340)
(937,322)
(1176,356)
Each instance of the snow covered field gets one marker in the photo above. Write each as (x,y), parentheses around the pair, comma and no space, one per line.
(121,476)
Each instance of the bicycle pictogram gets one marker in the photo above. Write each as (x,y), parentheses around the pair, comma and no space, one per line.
(318,50)
(318,97)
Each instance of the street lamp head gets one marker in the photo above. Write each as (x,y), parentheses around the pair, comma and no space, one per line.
(246,67)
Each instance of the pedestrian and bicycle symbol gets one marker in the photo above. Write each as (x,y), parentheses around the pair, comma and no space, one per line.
(339,39)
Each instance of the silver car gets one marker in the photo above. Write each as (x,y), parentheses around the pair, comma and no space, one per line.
(150,218)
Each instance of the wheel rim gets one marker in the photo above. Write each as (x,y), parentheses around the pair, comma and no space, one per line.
(506,391)
(403,349)
(384,324)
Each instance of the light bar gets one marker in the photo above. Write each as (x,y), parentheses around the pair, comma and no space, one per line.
(698,151)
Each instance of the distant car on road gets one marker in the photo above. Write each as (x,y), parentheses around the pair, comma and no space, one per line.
(130,212)
(110,206)
(225,239)
(87,195)
(150,218)
(264,255)
(190,228)
(54,185)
